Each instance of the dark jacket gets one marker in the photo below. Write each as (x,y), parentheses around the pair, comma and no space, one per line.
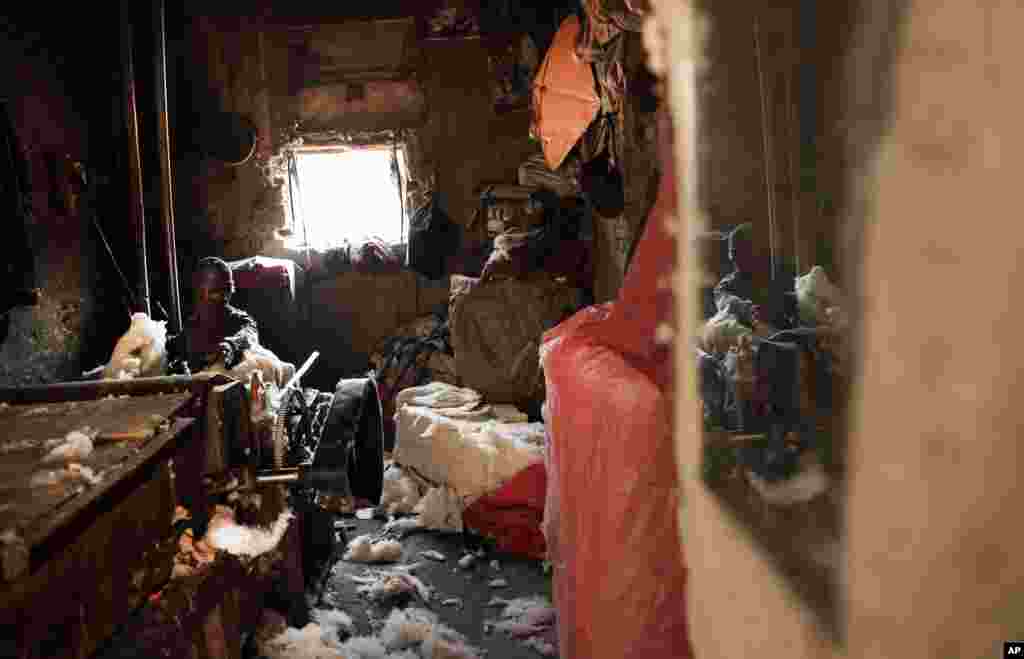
(239,334)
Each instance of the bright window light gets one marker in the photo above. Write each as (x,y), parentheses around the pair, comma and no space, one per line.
(346,196)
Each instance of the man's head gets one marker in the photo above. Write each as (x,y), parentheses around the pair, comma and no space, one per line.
(741,247)
(214,284)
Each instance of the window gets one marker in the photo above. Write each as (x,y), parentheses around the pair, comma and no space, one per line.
(345,196)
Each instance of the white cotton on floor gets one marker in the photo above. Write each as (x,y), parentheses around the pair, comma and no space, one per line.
(529,619)
(249,541)
(362,549)
(317,640)
(386,586)
(411,633)
(401,493)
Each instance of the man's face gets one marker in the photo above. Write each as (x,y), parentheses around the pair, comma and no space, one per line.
(211,291)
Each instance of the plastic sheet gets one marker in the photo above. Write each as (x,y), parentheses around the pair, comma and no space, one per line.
(612,500)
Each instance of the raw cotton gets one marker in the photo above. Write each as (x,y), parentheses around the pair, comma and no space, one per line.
(72,473)
(317,640)
(246,540)
(532,621)
(411,633)
(810,482)
(472,457)
(141,351)
(258,359)
(401,493)
(74,447)
(363,549)
(384,586)
(815,294)
(437,395)
(440,510)
(403,526)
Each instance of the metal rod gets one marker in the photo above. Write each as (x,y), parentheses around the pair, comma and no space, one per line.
(769,163)
(137,208)
(166,182)
(302,370)
(286,477)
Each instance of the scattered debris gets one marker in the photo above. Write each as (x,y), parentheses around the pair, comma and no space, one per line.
(226,535)
(402,526)
(532,621)
(809,483)
(411,634)
(401,493)
(318,640)
(36,409)
(498,583)
(363,549)
(434,555)
(467,561)
(388,586)
(74,447)
(73,472)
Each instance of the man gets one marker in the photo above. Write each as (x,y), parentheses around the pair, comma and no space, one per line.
(751,293)
(216,331)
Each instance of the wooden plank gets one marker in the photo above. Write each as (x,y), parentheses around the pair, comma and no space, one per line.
(24,431)
(101,561)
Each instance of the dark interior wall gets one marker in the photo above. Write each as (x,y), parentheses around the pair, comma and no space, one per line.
(52,101)
(771,136)
(249,66)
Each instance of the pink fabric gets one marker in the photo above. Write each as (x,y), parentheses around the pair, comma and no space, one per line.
(612,501)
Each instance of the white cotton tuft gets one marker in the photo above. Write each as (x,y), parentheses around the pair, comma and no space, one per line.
(141,351)
(400,494)
(389,585)
(75,447)
(72,473)
(362,549)
(305,643)
(249,541)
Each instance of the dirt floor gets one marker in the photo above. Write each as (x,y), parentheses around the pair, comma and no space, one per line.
(448,581)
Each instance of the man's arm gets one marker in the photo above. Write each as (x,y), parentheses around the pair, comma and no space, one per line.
(242,334)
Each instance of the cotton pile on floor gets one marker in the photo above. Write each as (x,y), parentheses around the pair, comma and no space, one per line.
(363,549)
(447,437)
(529,619)
(411,634)
(319,639)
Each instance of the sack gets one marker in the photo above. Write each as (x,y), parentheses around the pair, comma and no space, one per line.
(496,330)
(433,237)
